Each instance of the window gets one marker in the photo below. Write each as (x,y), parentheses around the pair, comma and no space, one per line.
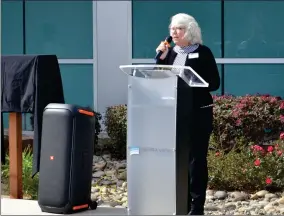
(245,79)
(64,28)
(78,84)
(252,29)
(11,27)
(152,18)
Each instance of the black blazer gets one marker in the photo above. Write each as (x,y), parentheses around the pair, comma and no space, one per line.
(205,65)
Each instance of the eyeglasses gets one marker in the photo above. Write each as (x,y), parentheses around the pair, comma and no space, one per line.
(176,28)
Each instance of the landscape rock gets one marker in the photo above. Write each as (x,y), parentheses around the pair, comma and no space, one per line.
(239,196)
(110,189)
(220,195)
(262,193)
(98,174)
(269,196)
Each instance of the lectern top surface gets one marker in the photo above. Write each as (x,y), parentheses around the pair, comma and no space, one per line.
(153,71)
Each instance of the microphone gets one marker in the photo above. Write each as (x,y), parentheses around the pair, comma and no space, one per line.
(167,41)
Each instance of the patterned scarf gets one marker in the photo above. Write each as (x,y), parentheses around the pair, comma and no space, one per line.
(182,53)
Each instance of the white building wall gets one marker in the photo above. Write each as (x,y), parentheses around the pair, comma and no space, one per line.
(113,48)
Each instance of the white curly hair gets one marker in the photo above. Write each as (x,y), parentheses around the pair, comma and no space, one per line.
(192,29)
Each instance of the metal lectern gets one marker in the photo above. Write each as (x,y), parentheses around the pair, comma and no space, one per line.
(159,118)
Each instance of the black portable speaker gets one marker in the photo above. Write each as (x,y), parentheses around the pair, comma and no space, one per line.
(67,144)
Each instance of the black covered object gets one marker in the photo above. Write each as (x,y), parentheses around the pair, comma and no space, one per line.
(65,180)
(29,83)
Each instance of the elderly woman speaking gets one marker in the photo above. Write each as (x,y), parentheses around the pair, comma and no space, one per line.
(189,51)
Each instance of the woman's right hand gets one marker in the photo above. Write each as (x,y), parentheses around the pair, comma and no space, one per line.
(164,48)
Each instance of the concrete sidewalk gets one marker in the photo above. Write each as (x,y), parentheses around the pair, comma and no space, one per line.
(31,207)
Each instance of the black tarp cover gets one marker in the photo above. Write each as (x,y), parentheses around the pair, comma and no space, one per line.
(29,83)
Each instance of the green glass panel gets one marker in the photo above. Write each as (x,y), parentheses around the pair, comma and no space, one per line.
(152,18)
(254,29)
(78,84)
(11,27)
(64,28)
(252,78)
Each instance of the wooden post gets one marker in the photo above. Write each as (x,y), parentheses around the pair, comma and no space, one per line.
(15,154)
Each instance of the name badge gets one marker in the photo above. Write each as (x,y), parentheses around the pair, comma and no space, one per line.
(193,55)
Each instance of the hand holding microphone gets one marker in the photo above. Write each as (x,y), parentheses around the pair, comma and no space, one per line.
(163,49)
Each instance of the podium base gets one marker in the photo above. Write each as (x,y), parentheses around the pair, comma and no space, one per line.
(159,119)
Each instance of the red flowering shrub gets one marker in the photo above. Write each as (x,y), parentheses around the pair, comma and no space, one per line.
(251,118)
(249,168)
(238,122)
(254,118)
(282,136)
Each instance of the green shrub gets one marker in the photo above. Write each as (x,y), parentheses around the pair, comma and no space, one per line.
(238,158)
(116,128)
(98,117)
(251,118)
(30,185)
(248,168)
(255,118)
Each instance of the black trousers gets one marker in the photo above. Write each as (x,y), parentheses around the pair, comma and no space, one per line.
(198,170)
